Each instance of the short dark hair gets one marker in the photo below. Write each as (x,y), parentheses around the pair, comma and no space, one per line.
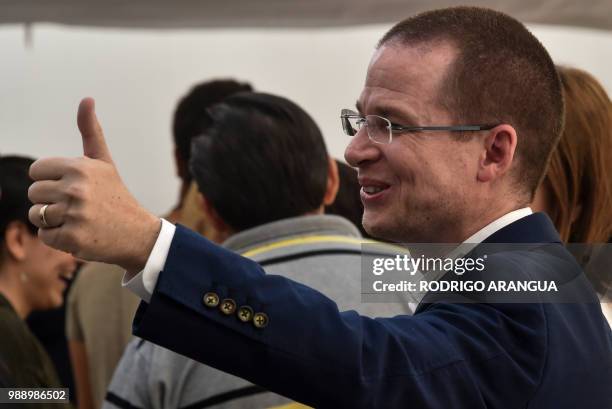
(259,159)
(14,203)
(191,107)
(502,74)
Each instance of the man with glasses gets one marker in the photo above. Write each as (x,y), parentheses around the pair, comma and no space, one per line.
(460,111)
(380,129)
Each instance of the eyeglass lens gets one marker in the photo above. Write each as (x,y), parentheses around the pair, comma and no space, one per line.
(377,127)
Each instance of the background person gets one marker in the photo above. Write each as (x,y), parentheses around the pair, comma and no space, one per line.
(577,189)
(32,277)
(186,125)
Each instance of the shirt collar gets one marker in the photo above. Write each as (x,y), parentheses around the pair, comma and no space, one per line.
(498,224)
(481,235)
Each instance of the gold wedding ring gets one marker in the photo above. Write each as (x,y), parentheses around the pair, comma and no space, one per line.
(42,216)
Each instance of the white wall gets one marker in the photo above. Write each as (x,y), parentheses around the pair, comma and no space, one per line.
(137,77)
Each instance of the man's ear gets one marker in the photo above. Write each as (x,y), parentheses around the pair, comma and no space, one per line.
(15,240)
(498,154)
(333,182)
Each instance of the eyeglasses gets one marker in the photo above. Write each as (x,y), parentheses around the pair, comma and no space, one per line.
(380,130)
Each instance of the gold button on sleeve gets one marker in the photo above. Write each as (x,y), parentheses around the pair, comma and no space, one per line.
(210,299)
(245,313)
(228,306)
(260,320)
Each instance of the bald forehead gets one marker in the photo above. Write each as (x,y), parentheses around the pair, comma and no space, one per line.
(406,80)
(406,62)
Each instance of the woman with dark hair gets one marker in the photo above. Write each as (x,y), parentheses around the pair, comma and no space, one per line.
(32,277)
(577,189)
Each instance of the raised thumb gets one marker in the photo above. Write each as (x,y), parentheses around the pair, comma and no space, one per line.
(94,144)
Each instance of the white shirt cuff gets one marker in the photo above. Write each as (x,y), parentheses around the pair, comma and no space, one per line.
(143,283)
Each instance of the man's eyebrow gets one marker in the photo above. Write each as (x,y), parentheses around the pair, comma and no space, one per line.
(388,111)
(394,114)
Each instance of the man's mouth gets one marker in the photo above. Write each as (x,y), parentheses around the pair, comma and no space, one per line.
(372,188)
(66,277)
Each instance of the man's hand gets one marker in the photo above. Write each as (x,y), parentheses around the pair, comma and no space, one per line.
(90,212)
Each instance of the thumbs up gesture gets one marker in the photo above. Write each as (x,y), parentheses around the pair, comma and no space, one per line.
(81,205)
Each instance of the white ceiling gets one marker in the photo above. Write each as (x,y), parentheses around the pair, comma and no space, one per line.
(166,14)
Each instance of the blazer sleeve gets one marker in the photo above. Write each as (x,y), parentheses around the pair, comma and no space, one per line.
(476,354)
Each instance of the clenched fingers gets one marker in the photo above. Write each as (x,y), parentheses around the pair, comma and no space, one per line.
(46,191)
(52,216)
(58,238)
(51,168)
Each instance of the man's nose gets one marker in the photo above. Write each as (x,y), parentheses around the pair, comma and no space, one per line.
(361,150)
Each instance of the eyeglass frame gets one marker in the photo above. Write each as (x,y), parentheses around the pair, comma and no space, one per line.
(345,114)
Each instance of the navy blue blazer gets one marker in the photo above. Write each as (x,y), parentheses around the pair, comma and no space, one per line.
(448,355)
